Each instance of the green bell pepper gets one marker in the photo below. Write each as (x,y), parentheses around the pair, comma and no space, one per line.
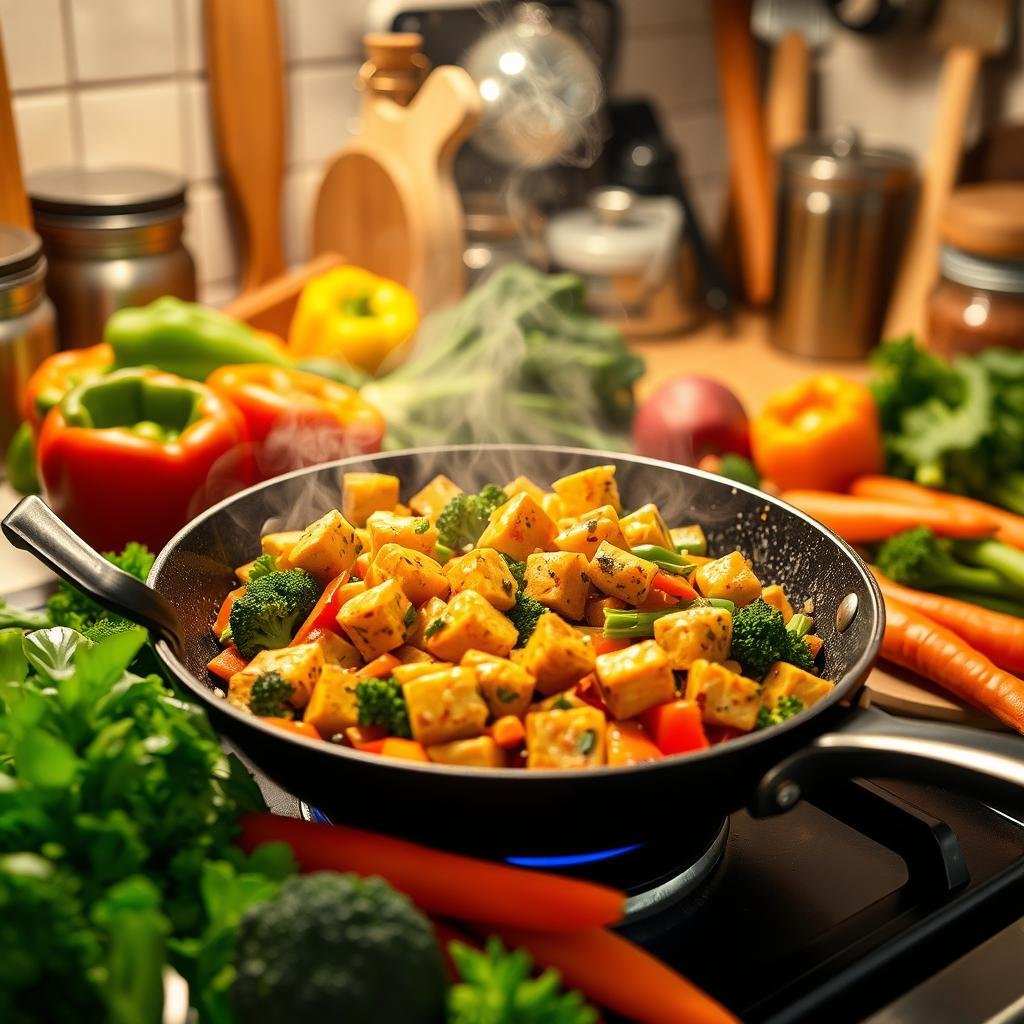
(20,462)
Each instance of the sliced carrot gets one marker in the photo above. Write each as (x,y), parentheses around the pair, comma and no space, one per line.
(407,750)
(656,601)
(621,977)
(443,883)
(628,743)
(367,738)
(814,643)
(676,586)
(224,615)
(866,519)
(507,732)
(289,725)
(380,668)
(606,645)
(325,612)
(227,663)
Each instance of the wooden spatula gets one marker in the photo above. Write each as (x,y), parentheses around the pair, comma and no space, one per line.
(14,207)
(247,98)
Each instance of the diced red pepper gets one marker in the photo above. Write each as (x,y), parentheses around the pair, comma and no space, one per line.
(675,727)
(669,583)
(380,668)
(325,612)
(628,743)
(367,738)
(227,663)
(587,690)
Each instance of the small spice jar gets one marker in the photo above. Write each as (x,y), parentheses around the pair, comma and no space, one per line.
(979,300)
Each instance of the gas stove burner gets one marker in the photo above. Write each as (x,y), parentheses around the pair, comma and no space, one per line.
(655,875)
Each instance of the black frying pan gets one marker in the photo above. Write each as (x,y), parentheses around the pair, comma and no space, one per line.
(510,810)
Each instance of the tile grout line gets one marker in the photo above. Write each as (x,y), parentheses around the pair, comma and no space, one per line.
(71,67)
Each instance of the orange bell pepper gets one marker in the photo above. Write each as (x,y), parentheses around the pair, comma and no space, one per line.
(628,743)
(675,727)
(820,434)
(56,376)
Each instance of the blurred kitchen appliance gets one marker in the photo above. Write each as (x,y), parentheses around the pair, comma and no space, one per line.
(979,299)
(112,237)
(27,334)
(842,213)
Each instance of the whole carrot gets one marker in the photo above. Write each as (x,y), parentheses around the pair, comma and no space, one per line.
(998,636)
(1009,526)
(867,519)
(922,645)
(611,971)
(442,883)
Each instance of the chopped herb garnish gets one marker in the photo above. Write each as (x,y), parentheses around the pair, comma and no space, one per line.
(561,704)
(434,626)
(586,743)
(410,616)
(422,526)
(506,694)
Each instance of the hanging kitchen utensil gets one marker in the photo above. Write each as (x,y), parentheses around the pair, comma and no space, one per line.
(967,31)
(247,98)
(14,207)
(388,200)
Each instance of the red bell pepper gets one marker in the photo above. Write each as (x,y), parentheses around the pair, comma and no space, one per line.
(324,615)
(675,727)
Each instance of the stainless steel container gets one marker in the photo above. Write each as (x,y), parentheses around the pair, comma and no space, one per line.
(113,239)
(27,334)
(842,215)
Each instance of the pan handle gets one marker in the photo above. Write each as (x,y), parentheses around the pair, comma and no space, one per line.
(32,526)
(985,764)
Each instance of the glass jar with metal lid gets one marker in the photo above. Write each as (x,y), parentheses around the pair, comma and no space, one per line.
(979,299)
(113,238)
(26,321)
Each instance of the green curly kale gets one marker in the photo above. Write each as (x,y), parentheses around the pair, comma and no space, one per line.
(465,517)
(760,638)
(380,702)
(269,696)
(785,707)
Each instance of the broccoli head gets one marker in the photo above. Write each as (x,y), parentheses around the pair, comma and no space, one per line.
(380,702)
(262,566)
(917,558)
(760,638)
(331,947)
(527,610)
(785,707)
(272,608)
(465,517)
(269,696)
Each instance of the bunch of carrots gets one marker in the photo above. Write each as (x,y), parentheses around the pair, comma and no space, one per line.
(974,652)
(561,922)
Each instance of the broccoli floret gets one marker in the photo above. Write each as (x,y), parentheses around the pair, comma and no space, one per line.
(269,696)
(785,707)
(69,607)
(380,702)
(917,558)
(465,517)
(263,566)
(760,637)
(738,468)
(527,610)
(272,608)
(333,947)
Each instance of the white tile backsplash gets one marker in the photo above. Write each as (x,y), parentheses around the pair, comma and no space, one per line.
(44,130)
(323,105)
(209,233)
(323,29)
(200,154)
(123,38)
(33,39)
(300,191)
(192,51)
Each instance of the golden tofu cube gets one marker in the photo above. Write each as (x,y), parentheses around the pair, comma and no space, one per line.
(564,701)
(587,489)
(506,686)
(419,576)
(618,573)
(729,577)
(725,697)
(366,493)
(776,597)
(557,655)
(689,539)
(431,499)
(409,655)
(558,580)
(327,547)
(645,526)
(300,665)
(552,505)
(694,633)
(518,528)
(479,752)
(635,679)
(485,571)
(279,544)
(415,532)
(332,708)
(470,621)
(523,484)
(411,670)
(585,534)
(243,571)
(426,614)
(565,739)
(337,650)
(445,705)
(377,620)
(597,603)
(785,680)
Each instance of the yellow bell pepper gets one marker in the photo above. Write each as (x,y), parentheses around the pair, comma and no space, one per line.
(350,314)
(819,434)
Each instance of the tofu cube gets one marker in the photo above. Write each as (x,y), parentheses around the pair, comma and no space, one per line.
(470,621)
(776,597)
(645,526)
(326,548)
(588,489)
(279,544)
(337,650)
(332,708)
(785,680)
(300,665)
(518,528)
(415,532)
(557,655)
(419,576)
(506,686)
(729,577)
(725,698)
(565,739)
(618,573)
(558,580)
(485,571)
(377,620)
(479,752)
(564,701)
(409,655)
(635,679)
(366,493)
(694,633)
(431,499)
(445,705)
(689,538)
(552,505)
(427,613)
(585,534)
(523,484)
